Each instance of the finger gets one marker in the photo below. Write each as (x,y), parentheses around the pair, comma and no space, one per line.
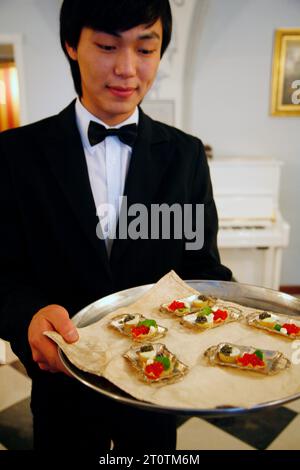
(46,353)
(43,349)
(55,366)
(59,367)
(46,368)
(47,357)
(62,323)
(54,362)
(64,370)
(43,366)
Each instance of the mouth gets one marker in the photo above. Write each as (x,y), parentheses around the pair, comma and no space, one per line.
(121,92)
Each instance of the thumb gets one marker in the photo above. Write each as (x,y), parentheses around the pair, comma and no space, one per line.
(70,336)
(63,325)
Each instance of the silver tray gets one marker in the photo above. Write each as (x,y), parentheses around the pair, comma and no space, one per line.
(248,295)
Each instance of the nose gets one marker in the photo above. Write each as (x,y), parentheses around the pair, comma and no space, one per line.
(125,65)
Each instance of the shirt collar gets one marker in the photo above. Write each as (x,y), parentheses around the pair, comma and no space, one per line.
(83,118)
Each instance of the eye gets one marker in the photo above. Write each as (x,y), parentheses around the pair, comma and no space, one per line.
(106,48)
(147,51)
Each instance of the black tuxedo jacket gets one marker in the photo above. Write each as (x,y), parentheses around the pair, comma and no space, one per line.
(49,250)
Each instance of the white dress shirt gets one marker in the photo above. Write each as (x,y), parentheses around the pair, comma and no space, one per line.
(107,164)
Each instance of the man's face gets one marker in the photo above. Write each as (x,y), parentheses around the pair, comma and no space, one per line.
(117,70)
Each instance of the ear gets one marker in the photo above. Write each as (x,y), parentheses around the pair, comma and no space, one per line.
(72,52)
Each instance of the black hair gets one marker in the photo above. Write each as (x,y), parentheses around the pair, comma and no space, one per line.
(109,16)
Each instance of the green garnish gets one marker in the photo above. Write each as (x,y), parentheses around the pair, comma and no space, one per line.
(259,354)
(205,311)
(148,323)
(277,327)
(164,360)
(184,309)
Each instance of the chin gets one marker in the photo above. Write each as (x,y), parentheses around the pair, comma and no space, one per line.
(123,108)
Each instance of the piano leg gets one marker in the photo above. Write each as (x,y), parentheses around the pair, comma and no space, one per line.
(272,267)
(259,266)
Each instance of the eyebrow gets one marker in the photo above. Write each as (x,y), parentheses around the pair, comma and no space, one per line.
(145,36)
(152,35)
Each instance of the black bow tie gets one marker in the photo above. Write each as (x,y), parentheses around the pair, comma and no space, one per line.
(97,133)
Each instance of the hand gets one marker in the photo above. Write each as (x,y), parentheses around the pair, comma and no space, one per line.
(44,351)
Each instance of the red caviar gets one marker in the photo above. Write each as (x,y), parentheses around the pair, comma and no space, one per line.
(176,305)
(291,328)
(140,330)
(220,315)
(250,360)
(154,371)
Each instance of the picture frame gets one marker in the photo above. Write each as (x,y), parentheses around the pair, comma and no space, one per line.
(286,73)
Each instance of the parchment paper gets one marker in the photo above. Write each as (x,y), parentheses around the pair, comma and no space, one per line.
(100,351)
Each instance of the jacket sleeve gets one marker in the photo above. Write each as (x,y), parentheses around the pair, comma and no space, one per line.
(204,263)
(20,297)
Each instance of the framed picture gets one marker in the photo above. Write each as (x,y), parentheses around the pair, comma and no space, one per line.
(286,73)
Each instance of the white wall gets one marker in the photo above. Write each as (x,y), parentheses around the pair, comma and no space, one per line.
(230,87)
(230,97)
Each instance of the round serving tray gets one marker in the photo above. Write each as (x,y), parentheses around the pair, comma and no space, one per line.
(244,294)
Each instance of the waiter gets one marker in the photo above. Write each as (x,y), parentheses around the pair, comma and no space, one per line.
(57,254)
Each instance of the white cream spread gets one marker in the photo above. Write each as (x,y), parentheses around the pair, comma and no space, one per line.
(149,355)
(191,318)
(235,352)
(271,319)
(132,322)
(153,329)
(188,300)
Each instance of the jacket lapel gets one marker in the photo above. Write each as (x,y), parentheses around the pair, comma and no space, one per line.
(67,160)
(149,162)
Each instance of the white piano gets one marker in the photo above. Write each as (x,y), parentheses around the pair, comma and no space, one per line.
(252,230)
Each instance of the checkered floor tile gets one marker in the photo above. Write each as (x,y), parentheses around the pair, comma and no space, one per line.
(276,429)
